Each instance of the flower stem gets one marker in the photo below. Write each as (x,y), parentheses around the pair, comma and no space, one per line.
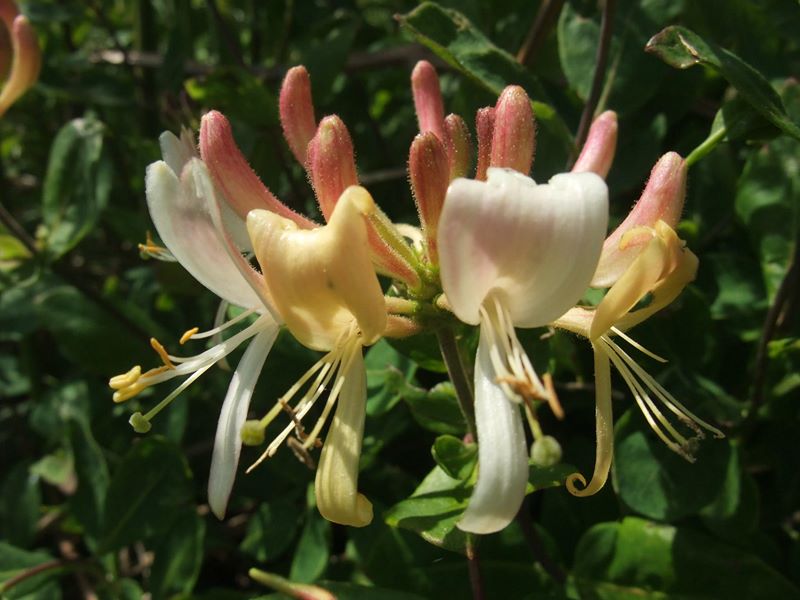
(706,146)
(455,368)
(474,565)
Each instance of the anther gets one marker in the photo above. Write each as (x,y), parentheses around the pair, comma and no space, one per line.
(162,353)
(188,335)
(122,381)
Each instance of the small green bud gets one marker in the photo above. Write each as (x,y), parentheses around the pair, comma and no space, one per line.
(139,423)
(546,451)
(252,433)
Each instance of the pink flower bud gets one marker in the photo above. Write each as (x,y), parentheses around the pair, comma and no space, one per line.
(429,172)
(514,138)
(484,125)
(428,99)
(457,145)
(26,58)
(240,186)
(297,111)
(331,163)
(661,200)
(601,144)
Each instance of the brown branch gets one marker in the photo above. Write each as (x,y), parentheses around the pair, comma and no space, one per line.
(455,368)
(542,23)
(474,566)
(601,62)
(536,546)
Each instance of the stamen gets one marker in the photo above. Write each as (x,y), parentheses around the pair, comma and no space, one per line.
(152,250)
(220,328)
(189,334)
(637,345)
(119,382)
(162,353)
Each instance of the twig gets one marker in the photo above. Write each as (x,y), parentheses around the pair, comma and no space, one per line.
(545,17)
(601,61)
(474,566)
(535,544)
(455,368)
(773,319)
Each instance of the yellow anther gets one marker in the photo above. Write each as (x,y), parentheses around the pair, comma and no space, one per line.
(128,392)
(122,381)
(188,335)
(552,397)
(162,353)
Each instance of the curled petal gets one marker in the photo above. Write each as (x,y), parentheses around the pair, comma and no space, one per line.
(662,200)
(604,428)
(535,246)
(297,111)
(322,280)
(183,221)
(428,99)
(240,186)
(601,144)
(502,451)
(336,483)
(26,62)
(228,439)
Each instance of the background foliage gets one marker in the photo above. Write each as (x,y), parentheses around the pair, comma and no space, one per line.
(87,507)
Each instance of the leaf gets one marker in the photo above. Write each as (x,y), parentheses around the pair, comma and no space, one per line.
(456,458)
(460,44)
(313,549)
(178,556)
(77,184)
(437,409)
(149,490)
(87,503)
(655,481)
(388,372)
(638,558)
(14,561)
(20,505)
(682,48)
(352,591)
(271,530)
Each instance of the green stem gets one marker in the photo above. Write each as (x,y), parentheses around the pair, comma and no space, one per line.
(707,146)
(458,375)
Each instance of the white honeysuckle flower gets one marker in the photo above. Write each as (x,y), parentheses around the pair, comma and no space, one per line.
(514,254)
(324,285)
(195,226)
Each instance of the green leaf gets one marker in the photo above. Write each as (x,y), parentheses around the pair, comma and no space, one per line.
(642,559)
(436,410)
(271,530)
(20,505)
(178,556)
(456,458)
(87,503)
(388,372)
(313,549)
(352,591)
(56,469)
(12,252)
(433,510)
(13,562)
(148,491)
(655,481)
(682,48)
(77,184)
(461,45)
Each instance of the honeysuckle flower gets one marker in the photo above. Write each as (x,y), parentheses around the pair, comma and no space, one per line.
(325,287)
(20,57)
(514,254)
(187,214)
(642,257)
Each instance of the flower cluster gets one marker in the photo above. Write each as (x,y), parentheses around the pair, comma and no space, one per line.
(497,251)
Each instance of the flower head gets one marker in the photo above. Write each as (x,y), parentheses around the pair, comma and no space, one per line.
(20,57)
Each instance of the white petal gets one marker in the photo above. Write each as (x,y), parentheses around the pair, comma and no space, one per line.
(502,452)
(185,226)
(336,484)
(177,151)
(228,440)
(535,245)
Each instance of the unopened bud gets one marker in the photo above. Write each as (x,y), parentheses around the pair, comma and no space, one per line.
(298,591)
(428,99)
(661,200)
(297,111)
(240,186)
(252,433)
(546,451)
(429,172)
(601,144)
(514,137)
(139,423)
(484,126)
(457,144)
(26,59)
(331,162)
